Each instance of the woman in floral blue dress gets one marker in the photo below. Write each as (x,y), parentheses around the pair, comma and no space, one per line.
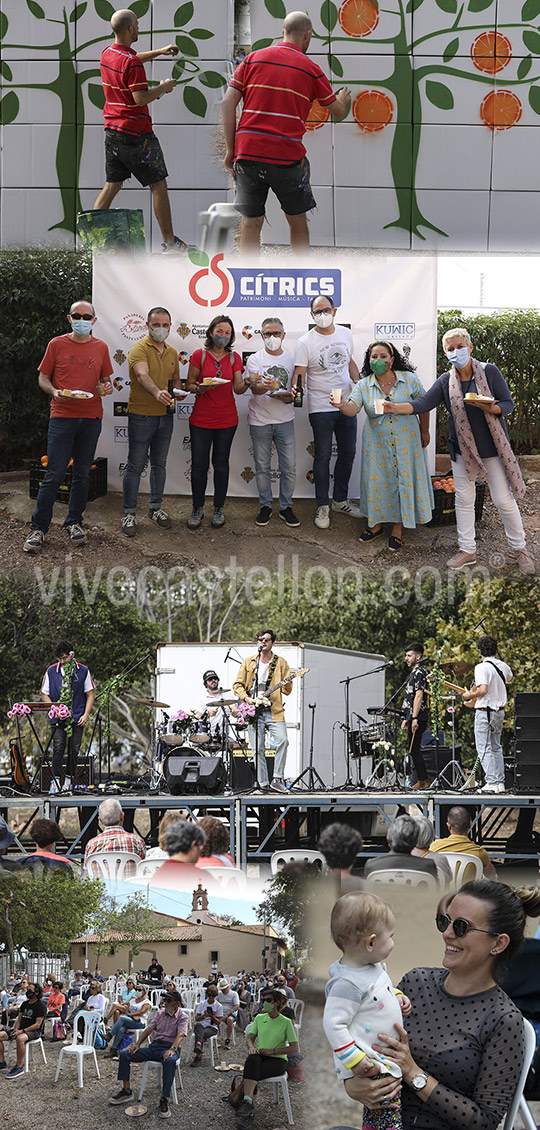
(395,483)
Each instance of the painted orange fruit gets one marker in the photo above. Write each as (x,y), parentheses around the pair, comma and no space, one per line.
(501,109)
(358,18)
(372,110)
(317,116)
(491,52)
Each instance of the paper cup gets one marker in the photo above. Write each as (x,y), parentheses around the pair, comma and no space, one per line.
(378,405)
(337,395)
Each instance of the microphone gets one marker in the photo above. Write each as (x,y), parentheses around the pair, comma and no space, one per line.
(357,715)
(72,655)
(260,647)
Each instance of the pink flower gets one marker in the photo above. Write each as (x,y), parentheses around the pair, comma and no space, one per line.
(19,709)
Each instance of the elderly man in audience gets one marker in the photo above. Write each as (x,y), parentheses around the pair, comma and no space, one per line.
(459,823)
(169,1025)
(402,836)
(27,1027)
(230,1002)
(113,837)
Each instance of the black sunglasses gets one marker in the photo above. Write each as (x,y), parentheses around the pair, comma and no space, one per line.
(83,317)
(460,926)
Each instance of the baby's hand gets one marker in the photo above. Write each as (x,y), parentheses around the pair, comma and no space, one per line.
(405,1005)
(365,1067)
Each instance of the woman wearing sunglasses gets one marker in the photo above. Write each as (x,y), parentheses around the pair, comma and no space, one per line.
(214,418)
(463,1049)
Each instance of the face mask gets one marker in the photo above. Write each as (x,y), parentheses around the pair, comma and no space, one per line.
(273,343)
(220,341)
(459,357)
(268,1006)
(80,327)
(378,366)
(158,333)
(30,996)
(323,320)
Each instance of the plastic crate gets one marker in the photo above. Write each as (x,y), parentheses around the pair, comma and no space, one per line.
(444,512)
(112,229)
(98,480)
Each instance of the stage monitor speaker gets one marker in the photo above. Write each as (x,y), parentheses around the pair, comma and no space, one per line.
(84,776)
(527,741)
(527,705)
(243,772)
(202,775)
(527,751)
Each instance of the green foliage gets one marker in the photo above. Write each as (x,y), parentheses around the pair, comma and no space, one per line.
(509,339)
(137,924)
(38,285)
(46,912)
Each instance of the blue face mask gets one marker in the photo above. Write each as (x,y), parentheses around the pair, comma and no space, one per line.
(459,357)
(80,327)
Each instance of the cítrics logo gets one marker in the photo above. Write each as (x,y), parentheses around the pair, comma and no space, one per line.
(394,330)
(210,286)
(213,285)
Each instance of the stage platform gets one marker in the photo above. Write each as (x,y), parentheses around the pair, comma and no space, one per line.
(261,823)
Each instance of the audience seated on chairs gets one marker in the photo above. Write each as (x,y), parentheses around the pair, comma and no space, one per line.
(121,1006)
(55,1001)
(169,817)
(426,835)
(245,999)
(169,1027)
(207,1012)
(184,842)
(92,1001)
(215,850)
(402,835)
(137,1008)
(340,844)
(459,822)
(45,834)
(230,1003)
(273,1033)
(28,1026)
(113,837)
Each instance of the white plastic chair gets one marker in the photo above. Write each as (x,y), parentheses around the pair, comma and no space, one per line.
(298,1009)
(281,1081)
(403,878)
(91,1021)
(111,866)
(518,1102)
(212,1042)
(33,1044)
(464,867)
(147,867)
(227,877)
(280,859)
(178,1073)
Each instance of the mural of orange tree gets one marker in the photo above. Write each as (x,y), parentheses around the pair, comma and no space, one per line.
(67,47)
(391,98)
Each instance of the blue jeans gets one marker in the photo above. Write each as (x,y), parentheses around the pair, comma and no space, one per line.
(325,426)
(122,1025)
(152,1053)
(147,436)
(283,437)
(278,730)
(67,439)
(487,735)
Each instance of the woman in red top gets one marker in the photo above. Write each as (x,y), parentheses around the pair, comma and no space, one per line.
(55,1000)
(214,419)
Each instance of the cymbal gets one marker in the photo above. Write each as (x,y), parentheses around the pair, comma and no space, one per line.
(220,701)
(458,665)
(153,703)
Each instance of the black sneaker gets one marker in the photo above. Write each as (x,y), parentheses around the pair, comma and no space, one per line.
(122,1096)
(196,1061)
(227,1043)
(264,516)
(289,516)
(164,1111)
(245,1112)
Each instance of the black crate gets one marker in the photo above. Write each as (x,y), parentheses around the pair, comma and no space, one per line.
(444,513)
(98,480)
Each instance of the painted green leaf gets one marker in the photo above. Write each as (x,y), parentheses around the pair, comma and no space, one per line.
(4,24)
(451,50)
(183,14)
(195,101)
(35,9)
(201,33)
(531,40)
(530,10)
(5,71)
(479,5)
(276,8)
(104,9)
(96,95)
(77,12)
(178,68)
(328,15)
(439,96)
(212,78)
(186,46)
(524,67)
(9,108)
(413,5)
(140,8)
(198,258)
(534,99)
(258,46)
(447,5)
(335,66)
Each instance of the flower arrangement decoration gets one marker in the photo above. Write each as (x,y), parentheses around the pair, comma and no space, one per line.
(184,720)
(59,712)
(384,749)
(246,712)
(19,710)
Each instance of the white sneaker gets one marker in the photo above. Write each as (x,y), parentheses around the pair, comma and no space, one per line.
(66,787)
(322,517)
(493,788)
(347,507)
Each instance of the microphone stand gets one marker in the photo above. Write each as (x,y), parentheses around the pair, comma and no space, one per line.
(312,773)
(349,783)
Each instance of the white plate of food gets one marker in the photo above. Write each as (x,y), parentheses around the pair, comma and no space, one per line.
(477,398)
(76,394)
(210,382)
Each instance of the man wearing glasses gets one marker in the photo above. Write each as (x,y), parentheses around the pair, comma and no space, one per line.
(75,373)
(271,421)
(324,359)
(255,676)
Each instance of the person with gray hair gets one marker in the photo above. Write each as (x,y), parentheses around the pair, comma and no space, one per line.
(271,420)
(114,837)
(184,842)
(426,835)
(402,837)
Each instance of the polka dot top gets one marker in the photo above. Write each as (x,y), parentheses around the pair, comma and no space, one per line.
(472,1045)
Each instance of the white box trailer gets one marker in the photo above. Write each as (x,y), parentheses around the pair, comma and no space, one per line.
(180,667)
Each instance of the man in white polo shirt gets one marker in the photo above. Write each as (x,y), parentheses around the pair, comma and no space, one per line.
(491,677)
(271,420)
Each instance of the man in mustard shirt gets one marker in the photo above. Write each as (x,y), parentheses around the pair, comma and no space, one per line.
(459,824)
(256,676)
(152,364)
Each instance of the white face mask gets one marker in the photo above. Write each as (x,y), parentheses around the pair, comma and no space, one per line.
(323,320)
(273,343)
(158,333)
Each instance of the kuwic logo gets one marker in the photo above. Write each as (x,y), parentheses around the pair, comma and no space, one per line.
(120,408)
(213,285)
(394,331)
(120,433)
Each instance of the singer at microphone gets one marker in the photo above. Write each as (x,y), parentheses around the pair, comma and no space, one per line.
(416,711)
(76,692)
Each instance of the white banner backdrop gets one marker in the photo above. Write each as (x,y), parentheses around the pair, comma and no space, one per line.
(393,298)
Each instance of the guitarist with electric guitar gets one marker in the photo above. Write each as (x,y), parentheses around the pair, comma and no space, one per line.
(491,677)
(261,680)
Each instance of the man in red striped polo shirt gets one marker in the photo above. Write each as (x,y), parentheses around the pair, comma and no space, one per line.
(131,146)
(278,86)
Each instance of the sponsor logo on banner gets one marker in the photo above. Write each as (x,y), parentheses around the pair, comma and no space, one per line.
(119,357)
(184,409)
(198,331)
(183,357)
(186,443)
(247,332)
(394,331)
(120,408)
(214,285)
(122,469)
(183,330)
(120,433)
(247,474)
(133,326)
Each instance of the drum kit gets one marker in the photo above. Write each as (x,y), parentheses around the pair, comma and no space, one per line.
(197,736)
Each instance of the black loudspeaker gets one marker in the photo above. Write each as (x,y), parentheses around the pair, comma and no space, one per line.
(436,760)
(202,775)
(243,772)
(83,777)
(527,741)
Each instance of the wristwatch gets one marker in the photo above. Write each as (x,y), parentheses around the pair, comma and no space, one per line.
(419,1081)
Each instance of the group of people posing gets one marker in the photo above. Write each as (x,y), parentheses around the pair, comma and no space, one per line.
(395,485)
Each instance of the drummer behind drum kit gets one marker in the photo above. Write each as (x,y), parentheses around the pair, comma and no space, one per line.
(189,757)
